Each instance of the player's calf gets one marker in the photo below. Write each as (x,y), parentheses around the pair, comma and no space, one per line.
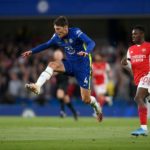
(97,108)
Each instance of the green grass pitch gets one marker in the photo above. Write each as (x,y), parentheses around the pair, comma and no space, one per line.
(53,133)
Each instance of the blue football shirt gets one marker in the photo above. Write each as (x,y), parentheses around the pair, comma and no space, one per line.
(74,42)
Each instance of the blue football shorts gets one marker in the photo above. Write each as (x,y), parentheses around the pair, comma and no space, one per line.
(81,69)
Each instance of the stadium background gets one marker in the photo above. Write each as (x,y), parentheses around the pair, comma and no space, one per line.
(24,24)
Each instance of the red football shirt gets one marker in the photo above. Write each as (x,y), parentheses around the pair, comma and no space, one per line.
(100,72)
(140,60)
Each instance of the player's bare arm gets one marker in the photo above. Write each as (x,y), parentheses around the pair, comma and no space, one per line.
(125,62)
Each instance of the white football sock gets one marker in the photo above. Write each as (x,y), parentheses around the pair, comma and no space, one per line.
(44,76)
(144,127)
(97,108)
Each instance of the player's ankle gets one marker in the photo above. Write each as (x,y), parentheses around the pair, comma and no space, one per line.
(144,127)
(38,85)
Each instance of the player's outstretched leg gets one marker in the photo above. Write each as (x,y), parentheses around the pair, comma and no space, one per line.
(44,76)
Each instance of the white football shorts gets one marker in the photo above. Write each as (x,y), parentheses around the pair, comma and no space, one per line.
(100,89)
(145,82)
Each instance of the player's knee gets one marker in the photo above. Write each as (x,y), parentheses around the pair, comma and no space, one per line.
(86,99)
(60,94)
(53,65)
(136,99)
(139,100)
(66,99)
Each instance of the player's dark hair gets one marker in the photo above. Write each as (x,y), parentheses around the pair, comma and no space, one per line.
(140,28)
(61,21)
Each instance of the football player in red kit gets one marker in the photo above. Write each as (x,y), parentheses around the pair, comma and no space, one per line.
(101,75)
(138,60)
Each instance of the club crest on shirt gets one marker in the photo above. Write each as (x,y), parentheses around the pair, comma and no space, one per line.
(70,41)
(144,49)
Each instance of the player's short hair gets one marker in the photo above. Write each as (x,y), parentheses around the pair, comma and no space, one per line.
(140,28)
(61,21)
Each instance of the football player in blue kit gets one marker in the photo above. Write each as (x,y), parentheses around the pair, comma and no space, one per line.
(77,47)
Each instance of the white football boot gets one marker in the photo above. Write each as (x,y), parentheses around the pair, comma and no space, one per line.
(33,88)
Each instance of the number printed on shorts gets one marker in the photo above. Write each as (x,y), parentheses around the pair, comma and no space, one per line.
(146,80)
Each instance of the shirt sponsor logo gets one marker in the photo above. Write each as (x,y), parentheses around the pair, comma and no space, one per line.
(138,58)
(69,50)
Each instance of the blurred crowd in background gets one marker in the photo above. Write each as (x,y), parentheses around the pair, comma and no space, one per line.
(15,71)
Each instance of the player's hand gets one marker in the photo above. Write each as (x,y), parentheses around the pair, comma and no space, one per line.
(26,54)
(82,53)
(124,61)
